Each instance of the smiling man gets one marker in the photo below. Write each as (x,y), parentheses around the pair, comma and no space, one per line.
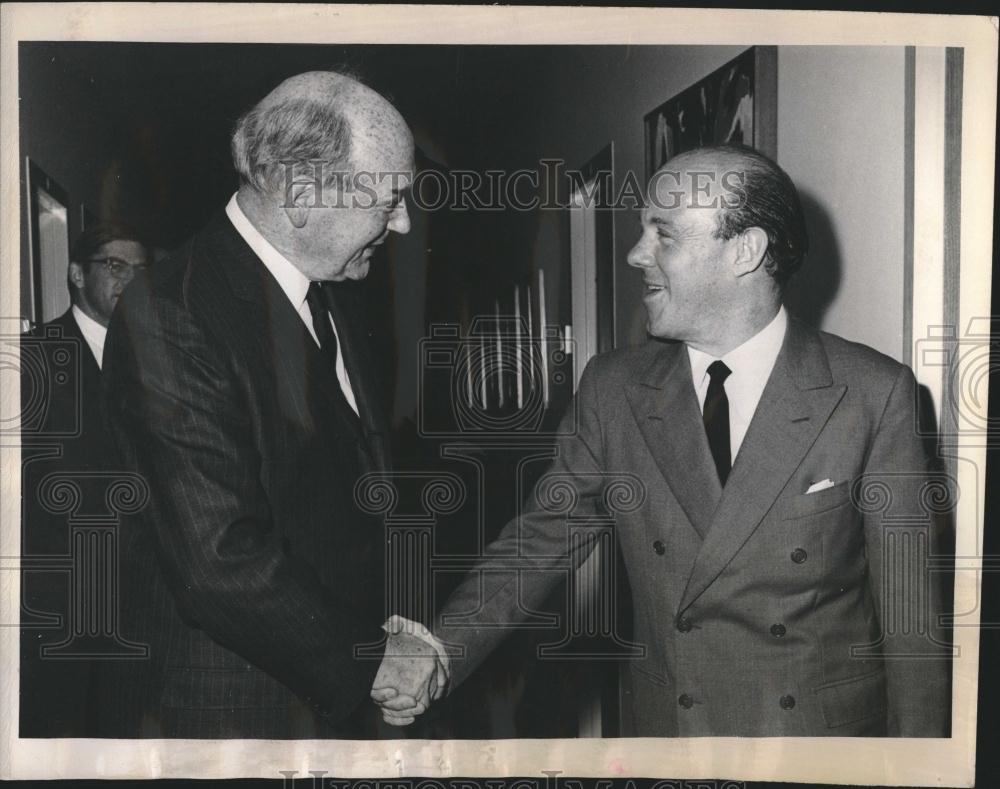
(770,595)
(240,386)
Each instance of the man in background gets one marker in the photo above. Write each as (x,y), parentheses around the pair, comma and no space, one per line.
(68,437)
(103,261)
(771,594)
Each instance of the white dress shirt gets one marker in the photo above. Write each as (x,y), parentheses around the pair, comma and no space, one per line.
(751,364)
(293,282)
(92,332)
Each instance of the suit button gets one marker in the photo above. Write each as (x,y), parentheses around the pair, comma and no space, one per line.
(660,548)
(685,701)
(778,630)
(787,702)
(799,555)
(684,624)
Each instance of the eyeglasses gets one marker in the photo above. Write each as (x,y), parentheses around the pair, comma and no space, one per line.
(118,268)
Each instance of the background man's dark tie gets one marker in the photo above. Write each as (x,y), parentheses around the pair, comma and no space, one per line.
(716,418)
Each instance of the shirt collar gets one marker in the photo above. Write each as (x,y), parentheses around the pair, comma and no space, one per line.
(293,282)
(753,359)
(92,332)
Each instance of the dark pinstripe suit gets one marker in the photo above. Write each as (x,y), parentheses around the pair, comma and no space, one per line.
(252,575)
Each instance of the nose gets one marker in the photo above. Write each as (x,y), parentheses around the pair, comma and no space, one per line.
(639,256)
(399,222)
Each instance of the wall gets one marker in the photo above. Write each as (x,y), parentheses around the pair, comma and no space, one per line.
(840,136)
(601,95)
(64,127)
(64,136)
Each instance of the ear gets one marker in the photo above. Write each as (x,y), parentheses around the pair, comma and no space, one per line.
(751,247)
(76,275)
(298,199)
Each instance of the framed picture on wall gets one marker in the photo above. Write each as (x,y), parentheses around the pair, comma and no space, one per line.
(735,103)
(43,290)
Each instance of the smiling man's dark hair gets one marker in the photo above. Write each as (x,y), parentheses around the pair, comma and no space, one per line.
(767,199)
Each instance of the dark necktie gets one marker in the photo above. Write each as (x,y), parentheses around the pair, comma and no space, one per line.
(317,302)
(716,418)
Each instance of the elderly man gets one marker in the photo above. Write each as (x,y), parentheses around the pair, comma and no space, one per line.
(239,385)
(769,600)
(57,693)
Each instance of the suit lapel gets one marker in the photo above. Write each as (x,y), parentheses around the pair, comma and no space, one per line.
(793,409)
(665,408)
(90,373)
(357,361)
(304,377)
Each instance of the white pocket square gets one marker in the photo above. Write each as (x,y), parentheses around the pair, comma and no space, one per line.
(818,486)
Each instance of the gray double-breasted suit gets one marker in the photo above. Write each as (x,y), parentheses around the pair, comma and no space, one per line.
(764,610)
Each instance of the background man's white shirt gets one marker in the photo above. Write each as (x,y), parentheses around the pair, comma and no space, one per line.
(751,364)
(92,332)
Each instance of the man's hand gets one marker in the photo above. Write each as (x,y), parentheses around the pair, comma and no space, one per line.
(409,678)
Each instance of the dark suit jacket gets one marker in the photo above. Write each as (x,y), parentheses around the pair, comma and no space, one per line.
(761,608)
(62,434)
(252,575)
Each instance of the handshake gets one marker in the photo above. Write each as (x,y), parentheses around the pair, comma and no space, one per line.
(414,672)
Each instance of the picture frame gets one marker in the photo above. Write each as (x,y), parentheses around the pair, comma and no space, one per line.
(47,260)
(735,103)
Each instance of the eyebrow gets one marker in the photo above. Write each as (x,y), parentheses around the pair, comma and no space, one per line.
(660,221)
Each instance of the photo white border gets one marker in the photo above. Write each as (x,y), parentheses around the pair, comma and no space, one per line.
(822,760)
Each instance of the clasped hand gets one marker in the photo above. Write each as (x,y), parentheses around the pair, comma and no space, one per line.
(410,678)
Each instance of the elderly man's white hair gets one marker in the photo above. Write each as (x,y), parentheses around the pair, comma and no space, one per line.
(308,118)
